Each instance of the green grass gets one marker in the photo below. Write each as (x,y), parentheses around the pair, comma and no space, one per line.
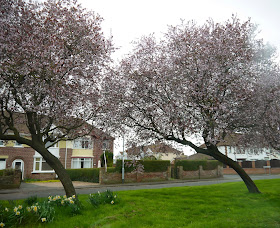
(222,205)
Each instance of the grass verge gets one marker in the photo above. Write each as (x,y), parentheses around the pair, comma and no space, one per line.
(222,205)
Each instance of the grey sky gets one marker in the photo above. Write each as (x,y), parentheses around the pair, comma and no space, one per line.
(128,20)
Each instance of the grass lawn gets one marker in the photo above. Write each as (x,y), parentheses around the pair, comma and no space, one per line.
(222,205)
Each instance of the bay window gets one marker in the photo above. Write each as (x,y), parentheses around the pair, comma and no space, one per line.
(79,163)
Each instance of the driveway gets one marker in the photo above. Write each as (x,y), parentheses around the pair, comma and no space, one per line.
(45,189)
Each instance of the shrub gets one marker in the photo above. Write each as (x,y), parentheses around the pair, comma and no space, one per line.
(149,165)
(109,159)
(86,174)
(191,165)
(107,197)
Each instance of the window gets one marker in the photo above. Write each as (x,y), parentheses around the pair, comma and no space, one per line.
(79,163)
(2,163)
(40,165)
(50,143)
(1,143)
(105,145)
(17,144)
(83,143)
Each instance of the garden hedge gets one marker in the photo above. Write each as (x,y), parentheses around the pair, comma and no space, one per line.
(191,165)
(85,174)
(149,165)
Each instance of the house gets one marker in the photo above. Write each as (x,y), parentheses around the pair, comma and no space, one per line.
(80,153)
(229,146)
(158,151)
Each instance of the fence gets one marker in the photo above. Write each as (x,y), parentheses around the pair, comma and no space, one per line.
(257,167)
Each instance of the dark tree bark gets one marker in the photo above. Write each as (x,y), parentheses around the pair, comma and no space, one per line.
(59,170)
(50,159)
(215,153)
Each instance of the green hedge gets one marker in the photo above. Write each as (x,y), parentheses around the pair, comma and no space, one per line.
(191,165)
(149,166)
(85,174)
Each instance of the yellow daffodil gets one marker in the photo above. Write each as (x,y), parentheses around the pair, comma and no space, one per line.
(19,206)
(15,209)
(43,219)
(2,224)
(74,196)
(18,213)
(35,208)
(71,201)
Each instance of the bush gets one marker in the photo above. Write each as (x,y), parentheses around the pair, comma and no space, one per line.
(87,175)
(191,165)
(109,159)
(106,197)
(149,166)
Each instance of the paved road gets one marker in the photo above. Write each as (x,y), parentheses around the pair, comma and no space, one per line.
(55,188)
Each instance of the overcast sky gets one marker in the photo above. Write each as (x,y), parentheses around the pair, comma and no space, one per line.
(128,20)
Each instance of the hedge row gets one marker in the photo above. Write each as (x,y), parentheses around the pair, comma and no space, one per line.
(191,165)
(85,174)
(149,165)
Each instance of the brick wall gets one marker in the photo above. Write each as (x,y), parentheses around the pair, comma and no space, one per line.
(113,178)
(11,181)
(199,174)
(254,170)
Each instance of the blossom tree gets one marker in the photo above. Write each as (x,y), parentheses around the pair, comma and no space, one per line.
(197,80)
(53,56)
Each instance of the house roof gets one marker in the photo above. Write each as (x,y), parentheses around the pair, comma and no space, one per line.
(20,121)
(200,157)
(229,140)
(155,148)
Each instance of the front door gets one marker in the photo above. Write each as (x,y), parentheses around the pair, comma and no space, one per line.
(19,164)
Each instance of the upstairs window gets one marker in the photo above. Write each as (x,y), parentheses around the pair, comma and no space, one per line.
(1,143)
(105,145)
(83,143)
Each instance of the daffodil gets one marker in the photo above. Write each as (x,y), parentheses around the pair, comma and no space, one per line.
(2,224)
(43,219)
(6,209)
(64,196)
(74,196)
(28,209)
(71,201)
(19,206)
(112,202)
(62,202)
(18,213)
(115,196)
(15,209)
(35,208)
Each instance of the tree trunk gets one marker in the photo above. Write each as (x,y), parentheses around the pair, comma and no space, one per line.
(59,170)
(214,152)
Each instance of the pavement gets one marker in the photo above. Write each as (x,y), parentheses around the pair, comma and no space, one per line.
(45,189)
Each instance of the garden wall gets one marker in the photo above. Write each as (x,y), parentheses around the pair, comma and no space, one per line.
(257,167)
(129,177)
(200,173)
(12,180)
